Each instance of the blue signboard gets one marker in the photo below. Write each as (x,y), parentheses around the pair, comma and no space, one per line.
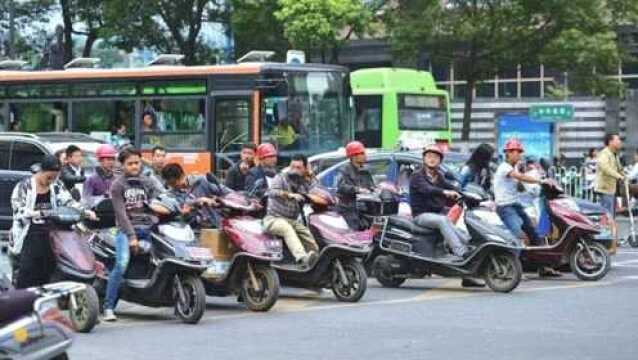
(536,136)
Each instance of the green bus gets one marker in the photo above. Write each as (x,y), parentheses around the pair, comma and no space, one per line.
(399,108)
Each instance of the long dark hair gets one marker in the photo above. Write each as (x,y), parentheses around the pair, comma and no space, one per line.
(480,158)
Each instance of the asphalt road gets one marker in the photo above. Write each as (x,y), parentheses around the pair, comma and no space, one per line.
(425,319)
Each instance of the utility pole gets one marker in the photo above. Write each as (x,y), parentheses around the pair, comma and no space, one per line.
(12,26)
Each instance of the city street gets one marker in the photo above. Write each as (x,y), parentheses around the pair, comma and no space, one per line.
(542,319)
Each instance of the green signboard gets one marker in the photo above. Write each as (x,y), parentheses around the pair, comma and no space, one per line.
(554,112)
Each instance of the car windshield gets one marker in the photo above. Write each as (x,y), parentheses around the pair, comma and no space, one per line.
(422,112)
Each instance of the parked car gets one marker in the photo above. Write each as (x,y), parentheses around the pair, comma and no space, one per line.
(20,151)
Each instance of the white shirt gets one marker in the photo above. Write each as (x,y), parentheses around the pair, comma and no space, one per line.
(505,191)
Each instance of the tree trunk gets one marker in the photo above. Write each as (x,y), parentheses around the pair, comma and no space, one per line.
(467,109)
(88,44)
(68,30)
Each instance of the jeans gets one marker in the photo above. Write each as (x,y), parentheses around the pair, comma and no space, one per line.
(122,256)
(608,201)
(297,237)
(517,221)
(441,222)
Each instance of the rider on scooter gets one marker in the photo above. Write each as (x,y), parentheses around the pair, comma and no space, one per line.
(285,208)
(30,232)
(130,194)
(98,185)
(353,180)
(257,177)
(429,194)
(506,196)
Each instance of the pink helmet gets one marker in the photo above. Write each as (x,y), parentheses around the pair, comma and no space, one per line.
(513,144)
(355,148)
(106,151)
(266,150)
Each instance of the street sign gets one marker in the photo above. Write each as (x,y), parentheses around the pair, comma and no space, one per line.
(554,112)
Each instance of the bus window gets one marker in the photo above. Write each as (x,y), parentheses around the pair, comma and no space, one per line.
(232,123)
(311,116)
(422,112)
(4,116)
(39,117)
(368,119)
(109,117)
(173,123)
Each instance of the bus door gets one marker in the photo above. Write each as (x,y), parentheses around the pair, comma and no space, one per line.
(368,112)
(235,121)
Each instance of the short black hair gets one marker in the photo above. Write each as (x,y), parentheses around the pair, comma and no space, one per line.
(300,157)
(50,163)
(72,149)
(609,137)
(158,148)
(250,146)
(126,153)
(172,172)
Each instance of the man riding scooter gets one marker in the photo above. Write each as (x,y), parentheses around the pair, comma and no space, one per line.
(353,180)
(429,194)
(506,196)
(257,178)
(130,193)
(98,185)
(284,210)
(32,197)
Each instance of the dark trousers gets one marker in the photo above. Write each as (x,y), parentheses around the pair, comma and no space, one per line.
(37,261)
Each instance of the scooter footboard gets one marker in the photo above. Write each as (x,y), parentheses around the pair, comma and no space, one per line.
(236,272)
(159,290)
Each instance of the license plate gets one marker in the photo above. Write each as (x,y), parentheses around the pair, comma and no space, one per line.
(200,253)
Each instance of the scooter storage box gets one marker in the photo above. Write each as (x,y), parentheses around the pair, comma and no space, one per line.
(377,207)
(218,243)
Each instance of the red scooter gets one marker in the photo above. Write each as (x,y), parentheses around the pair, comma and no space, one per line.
(571,241)
(248,273)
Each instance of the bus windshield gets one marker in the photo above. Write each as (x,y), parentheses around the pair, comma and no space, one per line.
(310,114)
(422,112)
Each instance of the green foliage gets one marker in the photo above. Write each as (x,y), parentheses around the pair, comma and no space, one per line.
(255,27)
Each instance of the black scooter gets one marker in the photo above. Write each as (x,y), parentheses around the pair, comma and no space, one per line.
(166,273)
(404,250)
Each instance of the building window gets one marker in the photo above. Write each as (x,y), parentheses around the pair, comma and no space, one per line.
(530,89)
(507,89)
(485,90)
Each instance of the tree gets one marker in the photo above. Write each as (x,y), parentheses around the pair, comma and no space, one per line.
(482,37)
(322,25)
(165,25)
(255,27)
(15,18)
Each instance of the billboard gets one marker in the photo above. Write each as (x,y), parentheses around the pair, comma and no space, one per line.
(536,136)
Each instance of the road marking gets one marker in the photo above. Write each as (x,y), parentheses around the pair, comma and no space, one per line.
(626,262)
(430,295)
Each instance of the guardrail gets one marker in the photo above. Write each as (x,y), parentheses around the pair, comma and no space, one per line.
(576,181)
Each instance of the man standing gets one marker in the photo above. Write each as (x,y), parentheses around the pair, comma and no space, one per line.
(236,177)
(72,174)
(284,209)
(353,180)
(608,173)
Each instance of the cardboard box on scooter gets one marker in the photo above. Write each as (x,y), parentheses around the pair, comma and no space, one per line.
(218,243)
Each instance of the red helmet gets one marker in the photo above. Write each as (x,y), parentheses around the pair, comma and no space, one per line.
(355,148)
(106,151)
(434,149)
(513,144)
(266,150)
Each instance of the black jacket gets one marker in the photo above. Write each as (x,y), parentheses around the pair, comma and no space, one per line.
(349,180)
(426,194)
(235,179)
(69,179)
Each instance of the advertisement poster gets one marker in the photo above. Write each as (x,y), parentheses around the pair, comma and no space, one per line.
(536,136)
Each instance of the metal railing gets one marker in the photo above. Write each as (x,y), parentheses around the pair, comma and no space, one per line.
(576,181)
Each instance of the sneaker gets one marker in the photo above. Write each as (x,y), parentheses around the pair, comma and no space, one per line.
(471,283)
(109,315)
(548,272)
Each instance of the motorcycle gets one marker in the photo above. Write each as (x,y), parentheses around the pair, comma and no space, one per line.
(165,271)
(572,240)
(404,250)
(31,323)
(338,266)
(75,262)
(248,272)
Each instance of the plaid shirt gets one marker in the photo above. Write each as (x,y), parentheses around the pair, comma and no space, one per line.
(279,205)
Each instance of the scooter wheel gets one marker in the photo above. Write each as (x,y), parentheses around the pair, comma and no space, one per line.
(502,272)
(264,298)
(590,268)
(190,309)
(84,315)
(357,281)
(633,243)
(384,274)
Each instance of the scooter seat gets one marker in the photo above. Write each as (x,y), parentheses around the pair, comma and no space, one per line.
(15,304)
(406,224)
